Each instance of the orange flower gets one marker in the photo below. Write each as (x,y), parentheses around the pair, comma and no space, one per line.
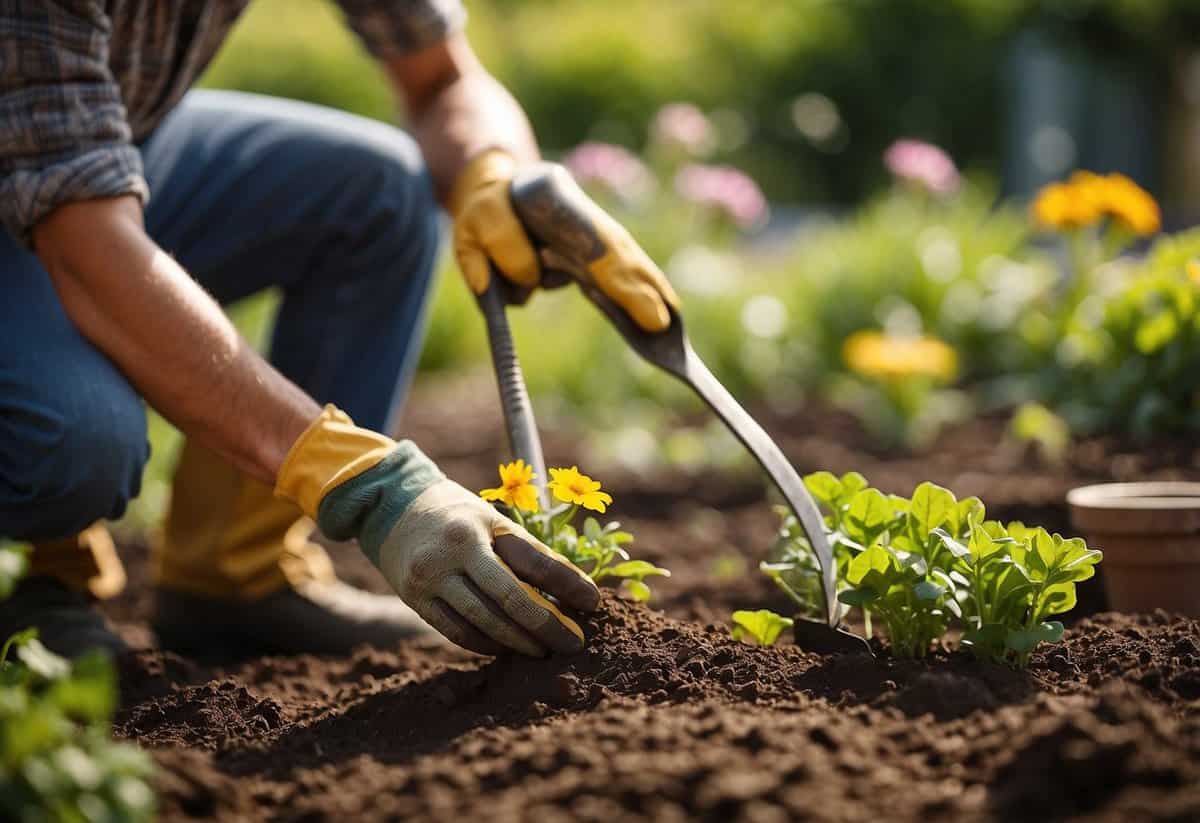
(1063,206)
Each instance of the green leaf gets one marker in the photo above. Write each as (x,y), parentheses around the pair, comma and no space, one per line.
(636,570)
(953,546)
(825,487)
(874,558)
(592,530)
(638,590)
(763,626)
(1023,641)
(928,590)
(853,482)
(41,661)
(932,506)
(869,515)
(970,510)
(17,640)
(858,597)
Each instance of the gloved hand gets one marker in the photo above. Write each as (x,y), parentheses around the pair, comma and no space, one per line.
(486,228)
(466,569)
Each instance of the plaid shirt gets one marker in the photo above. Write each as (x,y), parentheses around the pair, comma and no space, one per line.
(82,81)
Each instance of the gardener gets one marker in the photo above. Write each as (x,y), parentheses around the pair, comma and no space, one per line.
(129,203)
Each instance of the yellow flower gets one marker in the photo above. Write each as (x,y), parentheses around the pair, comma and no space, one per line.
(516,488)
(1064,206)
(570,486)
(1193,271)
(1087,198)
(1128,203)
(873,354)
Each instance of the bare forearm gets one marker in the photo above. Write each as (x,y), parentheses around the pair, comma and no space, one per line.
(172,341)
(456,110)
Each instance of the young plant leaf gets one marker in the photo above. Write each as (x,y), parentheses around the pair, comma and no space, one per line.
(931,507)
(763,626)
(638,590)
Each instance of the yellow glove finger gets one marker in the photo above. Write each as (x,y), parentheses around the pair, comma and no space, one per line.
(628,275)
(639,299)
(472,260)
(505,242)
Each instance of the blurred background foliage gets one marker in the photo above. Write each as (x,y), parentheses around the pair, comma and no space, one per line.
(806,93)
(802,98)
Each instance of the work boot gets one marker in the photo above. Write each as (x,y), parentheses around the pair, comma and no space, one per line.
(237,572)
(314,617)
(66,622)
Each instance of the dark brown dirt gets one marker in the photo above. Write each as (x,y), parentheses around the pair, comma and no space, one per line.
(664,716)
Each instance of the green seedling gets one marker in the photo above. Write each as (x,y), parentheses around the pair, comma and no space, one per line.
(763,626)
(1011,578)
(920,563)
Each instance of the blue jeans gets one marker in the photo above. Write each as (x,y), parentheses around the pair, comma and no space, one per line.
(247,192)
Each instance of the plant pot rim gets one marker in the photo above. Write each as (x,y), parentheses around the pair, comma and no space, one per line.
(1163,494)
(1161,507)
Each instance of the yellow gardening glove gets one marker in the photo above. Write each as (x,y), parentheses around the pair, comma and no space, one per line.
(486,228)
(468,571)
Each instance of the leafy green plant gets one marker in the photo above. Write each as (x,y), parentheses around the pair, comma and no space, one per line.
(762,626)
(920,563)
(57,757)
(597,550)
(1129,358)
(1009,580)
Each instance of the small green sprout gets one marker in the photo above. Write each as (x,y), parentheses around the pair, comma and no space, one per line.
(763,626)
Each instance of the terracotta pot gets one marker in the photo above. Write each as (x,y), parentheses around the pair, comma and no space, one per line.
(1150,536)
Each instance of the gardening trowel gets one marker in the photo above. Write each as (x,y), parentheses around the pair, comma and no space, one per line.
(553,210)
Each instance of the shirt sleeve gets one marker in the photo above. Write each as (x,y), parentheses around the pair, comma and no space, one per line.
(64,136)
(393,28)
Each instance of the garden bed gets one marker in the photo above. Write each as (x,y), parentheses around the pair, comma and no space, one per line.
(664,716)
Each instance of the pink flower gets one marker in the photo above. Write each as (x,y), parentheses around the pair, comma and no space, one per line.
(924,164)
(723,188)
(684,125)
(611,167)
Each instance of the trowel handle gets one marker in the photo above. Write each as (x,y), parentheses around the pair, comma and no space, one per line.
(523,437)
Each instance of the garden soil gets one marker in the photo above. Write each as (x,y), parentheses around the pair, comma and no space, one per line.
(664,716)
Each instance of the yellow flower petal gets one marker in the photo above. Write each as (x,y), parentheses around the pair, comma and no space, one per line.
(515,489)
(572,486)
(493,494)
(525,498)
(597,501)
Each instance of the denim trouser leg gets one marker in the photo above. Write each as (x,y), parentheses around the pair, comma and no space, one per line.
(247,192)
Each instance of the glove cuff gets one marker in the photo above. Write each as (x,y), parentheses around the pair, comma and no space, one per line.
(489,166)
(369,505)
(330,452)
